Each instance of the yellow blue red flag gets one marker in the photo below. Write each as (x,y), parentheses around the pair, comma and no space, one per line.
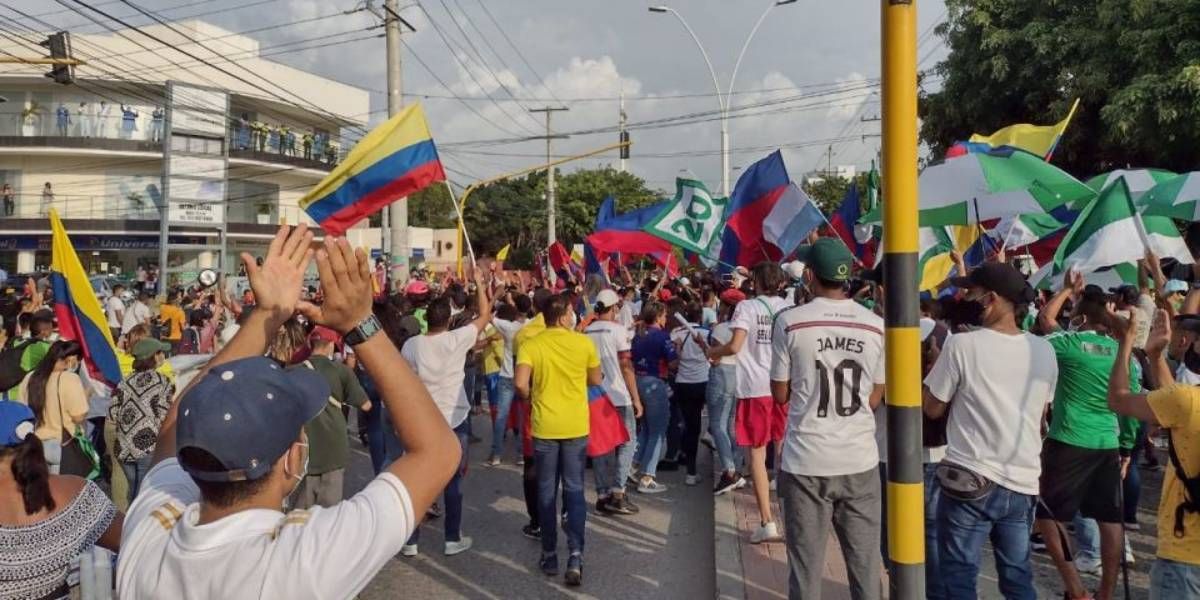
(1039,140)
(76,307)
(395,159)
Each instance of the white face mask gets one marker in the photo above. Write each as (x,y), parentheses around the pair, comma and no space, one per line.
(574,319)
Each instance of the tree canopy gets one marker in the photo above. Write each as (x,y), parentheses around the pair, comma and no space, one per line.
(514,211)
(1135,65)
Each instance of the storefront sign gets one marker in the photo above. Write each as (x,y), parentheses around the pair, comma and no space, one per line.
(196,213)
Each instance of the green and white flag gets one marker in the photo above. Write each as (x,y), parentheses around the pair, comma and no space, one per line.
(694,220)
(1014,232)
(1140,181)
(1177,198)
(1110,232)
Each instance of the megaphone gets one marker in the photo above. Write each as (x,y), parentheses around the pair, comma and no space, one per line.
(207,278)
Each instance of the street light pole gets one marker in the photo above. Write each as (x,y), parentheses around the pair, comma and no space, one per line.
(723,100)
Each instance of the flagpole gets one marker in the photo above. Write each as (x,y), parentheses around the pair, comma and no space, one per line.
(462,225)
(839,238)
(1066,123)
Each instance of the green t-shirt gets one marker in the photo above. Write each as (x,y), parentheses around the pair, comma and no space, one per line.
(328,447)
(31,357)
(1081,416)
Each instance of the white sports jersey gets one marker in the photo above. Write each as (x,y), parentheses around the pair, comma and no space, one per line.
(832,353)
(755,316)
(611,340)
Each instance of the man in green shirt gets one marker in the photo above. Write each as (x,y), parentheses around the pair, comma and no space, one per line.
(1081,463)
(329,448)
(41,327)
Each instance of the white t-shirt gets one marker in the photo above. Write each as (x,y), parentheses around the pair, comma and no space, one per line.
(319,553)
(1186,376)
(756,317)
(832,353)
(114,307)
(1000,385)
(720,335)
(508,330)
(929,455)
(611,340)
(693,362)
(625,317)
(135,315)
(439,361)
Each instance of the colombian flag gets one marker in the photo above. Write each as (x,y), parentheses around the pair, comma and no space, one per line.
(79,315)
(395,159)
(1035,139)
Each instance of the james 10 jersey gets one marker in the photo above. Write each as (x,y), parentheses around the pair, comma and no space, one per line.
(831,353)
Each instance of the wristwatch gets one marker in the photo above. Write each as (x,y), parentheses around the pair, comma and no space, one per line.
(363,331)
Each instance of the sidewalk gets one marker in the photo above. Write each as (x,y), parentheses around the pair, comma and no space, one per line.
(759,572)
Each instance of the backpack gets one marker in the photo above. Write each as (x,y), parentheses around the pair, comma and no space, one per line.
(1191,488)
(190,343)
(11,372)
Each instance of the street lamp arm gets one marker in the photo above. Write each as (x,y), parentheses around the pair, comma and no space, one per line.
(695,38)
(737,64)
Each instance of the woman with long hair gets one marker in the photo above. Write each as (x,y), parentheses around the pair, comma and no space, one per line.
(720,397)
(654,357)
(59,403)
(46,520)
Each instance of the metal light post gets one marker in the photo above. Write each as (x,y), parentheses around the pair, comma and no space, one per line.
(723,100)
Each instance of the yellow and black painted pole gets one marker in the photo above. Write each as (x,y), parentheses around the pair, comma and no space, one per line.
(905,485)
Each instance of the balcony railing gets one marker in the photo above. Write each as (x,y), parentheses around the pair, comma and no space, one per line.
(135,207)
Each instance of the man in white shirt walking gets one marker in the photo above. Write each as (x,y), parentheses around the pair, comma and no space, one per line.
(620,383)
(758,420)
(439,357)
(1000,380)
(207,521)
(114,310)
(827,366)
(138,313)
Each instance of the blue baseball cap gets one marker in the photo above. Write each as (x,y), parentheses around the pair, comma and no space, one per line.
(16,422)
(247,413)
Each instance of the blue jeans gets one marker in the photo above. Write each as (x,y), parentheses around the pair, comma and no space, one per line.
(1003,516)
(720,400)
(1171,580)
(934,589)
(613,468)
(452,496)
(568,457)
(382,442)
(656,415)
(470,374)
(502,400)
(135,472)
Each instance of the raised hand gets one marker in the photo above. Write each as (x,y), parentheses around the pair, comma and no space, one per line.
(277,282)
(1160,333)
(346,282)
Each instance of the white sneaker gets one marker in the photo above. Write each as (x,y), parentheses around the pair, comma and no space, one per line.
(458,547)
(408,550)
(649,486)
(1090,566)
(1129,559)
(766,533)
(692,479)
(773,484)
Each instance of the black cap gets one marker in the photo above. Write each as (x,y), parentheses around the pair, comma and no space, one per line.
(1189,323)
(1002,278)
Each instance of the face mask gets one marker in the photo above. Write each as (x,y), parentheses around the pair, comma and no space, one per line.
(1075,324)
(574,319)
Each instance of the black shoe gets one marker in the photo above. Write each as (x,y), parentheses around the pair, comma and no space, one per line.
(604,505)
(668,465)
(728,483)
(574,575)
(622,506)
(532,532)
(549,564)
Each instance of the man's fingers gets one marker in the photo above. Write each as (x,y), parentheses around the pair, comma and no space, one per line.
(364,265)
(294,238)
(311,311)
(337,262)
(251,266)
(299,255)
(325,272)
(277,241)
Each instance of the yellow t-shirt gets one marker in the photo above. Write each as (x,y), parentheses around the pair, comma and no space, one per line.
(560,360)
(125,362)
(493,354)
(531,328)
(173,316)
(1177,408)
(66,404)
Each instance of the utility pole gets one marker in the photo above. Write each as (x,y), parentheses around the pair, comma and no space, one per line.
(395,217)
(624,136)
(551,237)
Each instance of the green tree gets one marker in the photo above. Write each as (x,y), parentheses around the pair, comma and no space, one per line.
(829,192)
(1135,65)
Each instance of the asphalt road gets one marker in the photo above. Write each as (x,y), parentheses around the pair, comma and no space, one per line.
(665,551)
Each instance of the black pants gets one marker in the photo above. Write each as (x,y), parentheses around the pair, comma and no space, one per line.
(690,398)
(530,485)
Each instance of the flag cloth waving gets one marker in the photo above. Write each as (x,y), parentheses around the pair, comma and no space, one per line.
(693,219)
(395,159)
(79,315)
(1035,139)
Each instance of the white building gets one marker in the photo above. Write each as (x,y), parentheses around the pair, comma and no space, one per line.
(846,172)
(97,143)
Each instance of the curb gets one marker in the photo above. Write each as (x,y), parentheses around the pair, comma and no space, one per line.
(729,576)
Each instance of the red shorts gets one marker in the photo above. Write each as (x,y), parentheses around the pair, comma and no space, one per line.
(524,412)
(759,421)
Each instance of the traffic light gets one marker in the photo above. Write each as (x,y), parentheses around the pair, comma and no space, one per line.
(624,140)
(60,48)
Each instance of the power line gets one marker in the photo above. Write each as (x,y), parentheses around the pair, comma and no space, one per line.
(517,50)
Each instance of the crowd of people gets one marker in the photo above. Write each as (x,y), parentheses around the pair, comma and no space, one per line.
(223,468)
